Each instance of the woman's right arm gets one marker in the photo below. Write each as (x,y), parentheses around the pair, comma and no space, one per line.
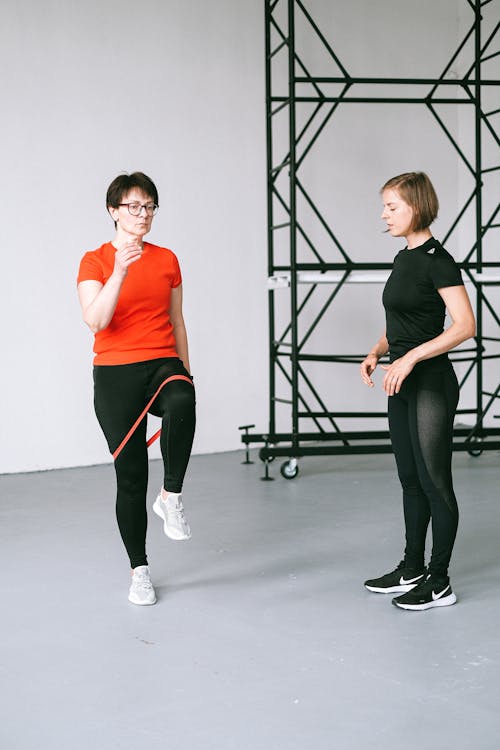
(370,362)
(98,301)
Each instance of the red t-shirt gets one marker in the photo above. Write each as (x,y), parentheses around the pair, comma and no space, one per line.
(140,328)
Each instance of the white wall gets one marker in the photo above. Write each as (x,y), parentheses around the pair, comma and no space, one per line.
(90,90)
(176,89)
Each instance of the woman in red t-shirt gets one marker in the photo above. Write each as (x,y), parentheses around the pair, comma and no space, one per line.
(131,297)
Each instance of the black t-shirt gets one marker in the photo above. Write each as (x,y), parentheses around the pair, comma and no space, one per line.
(414,309)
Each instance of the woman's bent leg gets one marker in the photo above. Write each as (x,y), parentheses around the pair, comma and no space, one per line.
(177,405)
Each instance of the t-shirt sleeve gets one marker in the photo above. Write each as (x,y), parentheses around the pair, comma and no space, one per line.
(90,269)
(176,276)
(444,271)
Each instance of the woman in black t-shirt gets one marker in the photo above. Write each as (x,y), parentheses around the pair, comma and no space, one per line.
(422,388)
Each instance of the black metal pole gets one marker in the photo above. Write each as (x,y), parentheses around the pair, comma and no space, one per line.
(270,222)
(293,220)
(479,209)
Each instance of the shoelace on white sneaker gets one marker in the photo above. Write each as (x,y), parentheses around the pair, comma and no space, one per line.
(143,582)
(177,510)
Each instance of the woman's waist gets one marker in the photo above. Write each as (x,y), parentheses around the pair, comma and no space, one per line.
(396,352)
(441,363)
(132,355)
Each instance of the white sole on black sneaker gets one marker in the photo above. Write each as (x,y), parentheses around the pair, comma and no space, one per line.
(392,590)
(446,601)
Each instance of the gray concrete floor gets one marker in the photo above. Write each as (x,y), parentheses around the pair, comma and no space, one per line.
(263,637)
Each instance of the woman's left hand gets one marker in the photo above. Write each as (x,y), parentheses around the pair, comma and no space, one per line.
(396,373)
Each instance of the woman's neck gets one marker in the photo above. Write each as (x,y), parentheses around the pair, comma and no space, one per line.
(123,238)
(415,239)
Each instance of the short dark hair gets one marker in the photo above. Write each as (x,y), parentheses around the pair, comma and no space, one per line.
(417,191)
(122,184)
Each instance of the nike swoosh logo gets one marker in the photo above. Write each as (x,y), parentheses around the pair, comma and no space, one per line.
(441,593)
(404,581)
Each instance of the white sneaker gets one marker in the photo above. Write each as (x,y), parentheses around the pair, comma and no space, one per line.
(171,511)
(141,588)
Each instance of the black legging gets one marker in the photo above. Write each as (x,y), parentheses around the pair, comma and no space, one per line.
(120,394)
(421,427)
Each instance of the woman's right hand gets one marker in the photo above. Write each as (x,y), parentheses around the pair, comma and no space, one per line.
(367,368)
(129,253)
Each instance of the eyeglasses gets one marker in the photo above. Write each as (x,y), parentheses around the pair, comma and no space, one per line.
(136,208)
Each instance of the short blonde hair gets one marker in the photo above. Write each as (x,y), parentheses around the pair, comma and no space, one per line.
(417,191)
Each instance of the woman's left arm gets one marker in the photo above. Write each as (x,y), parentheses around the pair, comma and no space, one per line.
(177,320)
(463,327)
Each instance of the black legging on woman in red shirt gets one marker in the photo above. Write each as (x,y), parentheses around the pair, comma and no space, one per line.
(121,392)
(421,428)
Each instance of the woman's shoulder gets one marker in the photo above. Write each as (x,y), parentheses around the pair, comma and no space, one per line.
(443,268)
(431,253)
(440,254)
(95,264)
(159,248)
(100,252)
(162,253)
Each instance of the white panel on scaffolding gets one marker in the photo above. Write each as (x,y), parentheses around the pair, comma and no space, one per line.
(282,281)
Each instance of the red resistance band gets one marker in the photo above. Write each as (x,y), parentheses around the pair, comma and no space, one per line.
(143,414)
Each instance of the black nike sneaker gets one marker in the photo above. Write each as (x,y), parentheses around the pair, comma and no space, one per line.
(430,593)
(398,582)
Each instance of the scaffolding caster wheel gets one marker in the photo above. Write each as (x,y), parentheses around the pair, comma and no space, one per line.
(289,469)
(475,452)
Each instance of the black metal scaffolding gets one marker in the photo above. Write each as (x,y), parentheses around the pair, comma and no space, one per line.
(313,427)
